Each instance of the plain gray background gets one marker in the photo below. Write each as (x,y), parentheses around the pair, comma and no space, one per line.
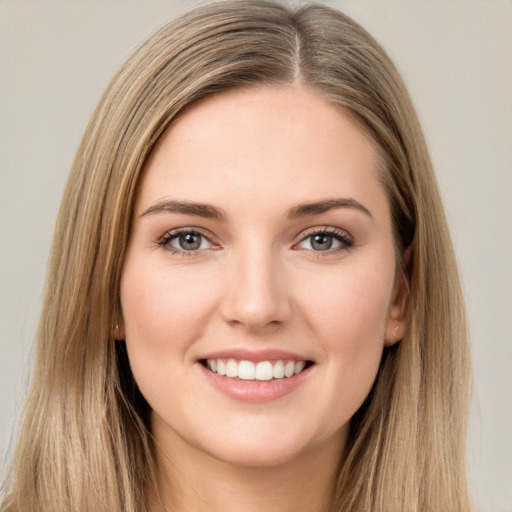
(56,57)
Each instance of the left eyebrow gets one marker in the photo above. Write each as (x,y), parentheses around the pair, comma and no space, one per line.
(318,207)
(186,208)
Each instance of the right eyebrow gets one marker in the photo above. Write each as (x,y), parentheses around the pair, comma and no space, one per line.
(318,207)
(187,208)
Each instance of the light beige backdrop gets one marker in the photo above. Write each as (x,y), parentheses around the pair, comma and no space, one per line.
(56,58)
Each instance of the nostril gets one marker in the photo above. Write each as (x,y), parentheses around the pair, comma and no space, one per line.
(256,301)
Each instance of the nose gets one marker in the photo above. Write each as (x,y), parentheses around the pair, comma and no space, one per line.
(256,296)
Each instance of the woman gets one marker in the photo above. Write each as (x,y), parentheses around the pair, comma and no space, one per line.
(253,301)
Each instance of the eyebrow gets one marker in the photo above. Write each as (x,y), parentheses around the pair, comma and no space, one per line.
(212,212)
(316,208)
(187,208)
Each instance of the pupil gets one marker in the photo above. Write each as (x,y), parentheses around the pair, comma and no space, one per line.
(321,242)
(190,242)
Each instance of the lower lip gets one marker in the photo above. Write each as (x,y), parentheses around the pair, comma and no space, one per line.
(255,390)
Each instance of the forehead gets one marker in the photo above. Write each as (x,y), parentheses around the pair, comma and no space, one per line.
(279,144)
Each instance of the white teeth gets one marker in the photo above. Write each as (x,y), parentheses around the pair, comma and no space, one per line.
(289,368)
(231,368)
(299,366)
(246,370)
(278,370)
(221,366)
(263,370)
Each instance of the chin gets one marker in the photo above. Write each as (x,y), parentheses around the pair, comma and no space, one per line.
(257,454)
(259,444)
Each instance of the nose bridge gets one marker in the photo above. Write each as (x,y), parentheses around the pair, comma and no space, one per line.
(256,296)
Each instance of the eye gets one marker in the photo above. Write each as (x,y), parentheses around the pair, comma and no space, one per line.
(185,241)
(326,240)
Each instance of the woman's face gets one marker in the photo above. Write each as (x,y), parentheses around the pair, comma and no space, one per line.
(259,285)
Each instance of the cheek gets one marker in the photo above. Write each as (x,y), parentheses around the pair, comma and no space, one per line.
(349,316)
(163,313)
(350,307)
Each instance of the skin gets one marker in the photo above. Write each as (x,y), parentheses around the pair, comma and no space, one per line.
(257,282)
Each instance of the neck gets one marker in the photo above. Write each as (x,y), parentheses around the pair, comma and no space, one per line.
(305,484)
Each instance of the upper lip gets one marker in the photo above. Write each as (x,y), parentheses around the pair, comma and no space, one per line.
(241,354)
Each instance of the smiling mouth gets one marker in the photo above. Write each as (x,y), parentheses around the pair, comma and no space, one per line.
(262,370)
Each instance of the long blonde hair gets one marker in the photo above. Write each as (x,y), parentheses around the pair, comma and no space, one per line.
(85,445)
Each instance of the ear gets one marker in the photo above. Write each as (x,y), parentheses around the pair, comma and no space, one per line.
(397,314)
(118,331)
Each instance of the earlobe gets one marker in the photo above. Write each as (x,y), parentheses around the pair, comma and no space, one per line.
(393,333)
(397,316)
(118,332)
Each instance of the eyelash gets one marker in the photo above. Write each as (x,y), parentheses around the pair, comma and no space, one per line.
(171,235)
(345,240)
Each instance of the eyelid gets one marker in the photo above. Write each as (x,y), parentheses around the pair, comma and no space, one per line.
(164,240)
(344,237)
